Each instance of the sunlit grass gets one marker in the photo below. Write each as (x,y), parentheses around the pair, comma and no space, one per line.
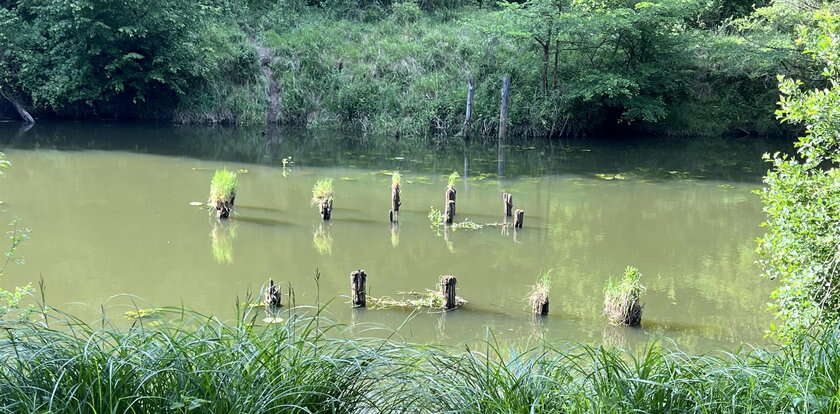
(622,304)
(223,186)
(302,365)
(322,191)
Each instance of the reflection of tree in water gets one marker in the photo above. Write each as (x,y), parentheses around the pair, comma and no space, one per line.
(322,240)
(221,241)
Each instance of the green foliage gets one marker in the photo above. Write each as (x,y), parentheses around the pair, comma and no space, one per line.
(453,178)
(406,11)
(322,191)
(802,195)
(223,185)
(396,178)
(193,362)
(435,217)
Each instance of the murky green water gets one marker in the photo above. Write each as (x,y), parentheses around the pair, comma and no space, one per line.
(110,213)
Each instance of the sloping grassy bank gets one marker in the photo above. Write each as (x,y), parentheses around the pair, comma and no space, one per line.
(193,363)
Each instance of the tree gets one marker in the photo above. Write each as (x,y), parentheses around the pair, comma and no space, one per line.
(802,197)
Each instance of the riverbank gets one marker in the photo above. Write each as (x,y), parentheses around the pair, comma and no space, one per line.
(402,69)
(180,361)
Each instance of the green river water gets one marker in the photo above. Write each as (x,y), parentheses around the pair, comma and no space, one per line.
(113,228)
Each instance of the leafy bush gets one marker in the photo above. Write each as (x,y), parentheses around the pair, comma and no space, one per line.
(406,11)
(802,195)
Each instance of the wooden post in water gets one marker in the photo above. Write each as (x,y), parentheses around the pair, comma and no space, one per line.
(503,108)
(507,198)
(358,280)
(395,203)
(326,209)
(449,198)
(541,306)
(468,116)
(447,289)
(273,297)
(519,218)
(449,212)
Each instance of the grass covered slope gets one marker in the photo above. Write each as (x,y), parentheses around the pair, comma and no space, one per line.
(193,363)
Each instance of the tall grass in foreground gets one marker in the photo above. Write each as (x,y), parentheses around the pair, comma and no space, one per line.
(210,367)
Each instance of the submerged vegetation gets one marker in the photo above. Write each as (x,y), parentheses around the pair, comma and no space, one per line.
(622,304)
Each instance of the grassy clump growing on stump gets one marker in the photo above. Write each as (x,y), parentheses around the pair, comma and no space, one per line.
(453,178)
(223,186)
(396,179)
(538,296)
(322,191)
(621,298)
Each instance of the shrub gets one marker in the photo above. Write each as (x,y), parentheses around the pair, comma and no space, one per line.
(406,11)
(802,195)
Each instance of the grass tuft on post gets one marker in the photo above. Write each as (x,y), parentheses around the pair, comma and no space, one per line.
(622,304)
(322,197)
(223,191)
(538,297)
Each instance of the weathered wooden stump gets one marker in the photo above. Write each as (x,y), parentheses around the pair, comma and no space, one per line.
(273,297)
(447,289)
(326,207)
(507,198)
(224,207)
(541,306)
(395,203)
(519,218)
(450,196)
(449,212)
(358,280)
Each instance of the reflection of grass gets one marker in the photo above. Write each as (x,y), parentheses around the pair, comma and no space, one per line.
(322,241)
(221,238)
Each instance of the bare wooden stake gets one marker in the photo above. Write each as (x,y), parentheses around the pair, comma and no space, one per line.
(224,207)
(507,198)
(541,307)
(358,281)
(395,203)
(447,289)
(503,107)
(273,297)
(450,197)
(519,218)
(449,212)
(326,209)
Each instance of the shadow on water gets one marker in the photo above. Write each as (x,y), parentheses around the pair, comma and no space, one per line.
(659,158)
(260,208)
(263,221)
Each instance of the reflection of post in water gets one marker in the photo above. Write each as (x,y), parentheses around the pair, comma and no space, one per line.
(500,159)
(615,337)
(322,240)
(440,326)
(221,240)
(449,244)
(272,142)
(395,234)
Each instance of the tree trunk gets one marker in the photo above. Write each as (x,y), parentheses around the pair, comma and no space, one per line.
(503,108)
(21,110)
